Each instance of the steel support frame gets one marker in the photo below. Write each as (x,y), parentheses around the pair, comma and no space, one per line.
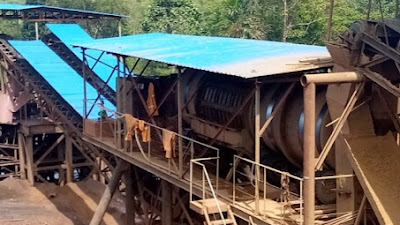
(85,65)
(48,108)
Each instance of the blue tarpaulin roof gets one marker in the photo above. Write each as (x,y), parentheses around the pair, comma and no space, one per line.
(58,74)
(18,7)
(73,33)
(233,56)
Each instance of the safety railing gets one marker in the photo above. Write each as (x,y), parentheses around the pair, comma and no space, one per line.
(207,190)
(290,188)
(114,130)
(261,186)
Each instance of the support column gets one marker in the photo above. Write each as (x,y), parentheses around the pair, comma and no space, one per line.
(120,29)
(180,129)
(129,197)
(166,211)
(29,159)
(257,145)
(68,159)
(108,193)
(309,153)
(21,149)
(37,30)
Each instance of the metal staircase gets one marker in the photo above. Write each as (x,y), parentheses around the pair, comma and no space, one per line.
(215,212)
(211,208)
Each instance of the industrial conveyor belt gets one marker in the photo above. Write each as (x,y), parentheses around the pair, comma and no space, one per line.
(70,34)
(376,163)
(59,76)
(100,73)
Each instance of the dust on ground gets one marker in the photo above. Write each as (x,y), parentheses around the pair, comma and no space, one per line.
(50,204)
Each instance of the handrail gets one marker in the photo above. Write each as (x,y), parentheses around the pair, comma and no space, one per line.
(119,130)
(120,115)
(265,167)
(205,173)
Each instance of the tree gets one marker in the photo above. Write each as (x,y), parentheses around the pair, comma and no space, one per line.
(237,18)
(173,16)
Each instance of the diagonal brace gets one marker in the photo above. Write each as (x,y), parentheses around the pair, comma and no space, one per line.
(343,118)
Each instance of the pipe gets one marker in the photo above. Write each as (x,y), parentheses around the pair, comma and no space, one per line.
(108,193)
(309,147)
(331,78)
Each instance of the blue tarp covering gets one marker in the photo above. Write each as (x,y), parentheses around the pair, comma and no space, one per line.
(73,33)
(233,56)
(58,74)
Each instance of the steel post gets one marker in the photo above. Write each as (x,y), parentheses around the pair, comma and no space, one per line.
(37,30)
(257,145)
(108,193)
(309,153)
(166,211)
(180,128)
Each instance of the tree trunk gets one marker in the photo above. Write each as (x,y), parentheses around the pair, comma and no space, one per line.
(285,21)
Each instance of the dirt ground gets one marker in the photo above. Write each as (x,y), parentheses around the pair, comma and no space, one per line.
(22,204)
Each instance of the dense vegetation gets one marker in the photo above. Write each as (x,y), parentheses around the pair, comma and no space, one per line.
(301,21)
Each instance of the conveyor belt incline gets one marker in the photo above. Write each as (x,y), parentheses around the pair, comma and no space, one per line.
(71,34)
(59,75)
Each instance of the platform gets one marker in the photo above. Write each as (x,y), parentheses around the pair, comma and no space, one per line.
(243,207)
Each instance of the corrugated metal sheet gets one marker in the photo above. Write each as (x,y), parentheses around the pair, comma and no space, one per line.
(73,33)
(58,74)
(232,56)
(10,6)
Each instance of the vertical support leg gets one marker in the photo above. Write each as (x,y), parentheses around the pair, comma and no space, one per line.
(68,159)
(37,30)
(84,86)
(108,193)
(257,145)
(180,129)
(119,28)
(29,159)
(309,154)
(129,195)
(21,149)
(166,211)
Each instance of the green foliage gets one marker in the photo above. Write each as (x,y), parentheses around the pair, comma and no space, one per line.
(172,16)
(256,19)
(237,18)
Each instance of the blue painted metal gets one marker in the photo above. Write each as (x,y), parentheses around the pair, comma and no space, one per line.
(73,33)
(233,56)
(58,74)
(18,7)
(10,6)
